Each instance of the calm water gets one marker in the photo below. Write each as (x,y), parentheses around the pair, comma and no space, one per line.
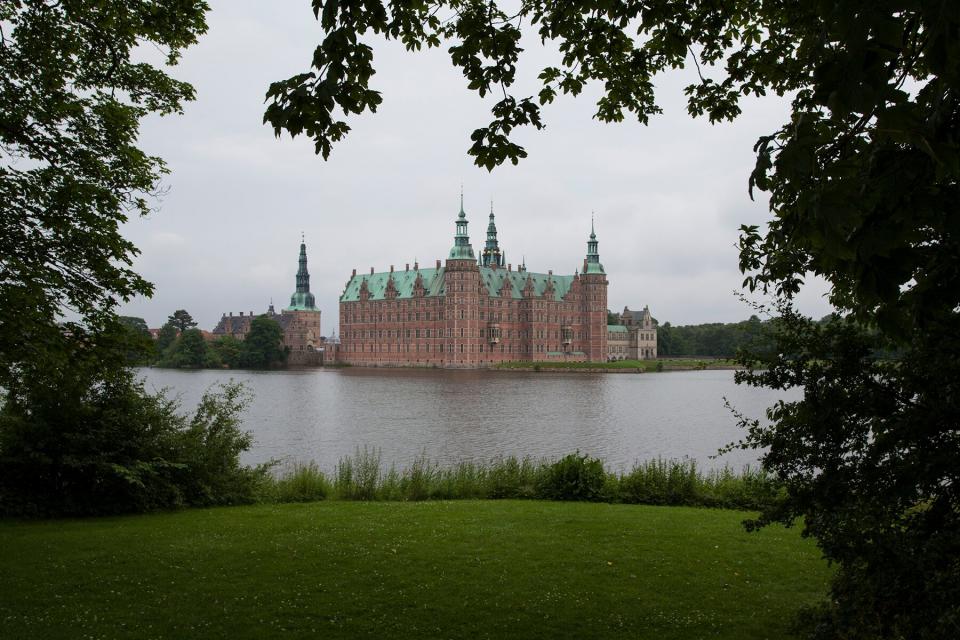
(323,415)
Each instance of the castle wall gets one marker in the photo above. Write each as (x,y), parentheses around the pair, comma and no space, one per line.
(467,327)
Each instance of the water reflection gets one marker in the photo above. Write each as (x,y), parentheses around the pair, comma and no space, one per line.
(323,414)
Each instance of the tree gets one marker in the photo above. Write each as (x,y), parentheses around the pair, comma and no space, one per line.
(263,345)
(71,100)
(140,345)
(181,320)
(190,351)
(229,350)
(612,318)
(168,335)
(863,186)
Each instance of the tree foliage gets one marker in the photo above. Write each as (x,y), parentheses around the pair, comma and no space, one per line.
(863,188)
(717,339)
(189,351)
(263,345)
(168,335)
(182,320)
(84,437)
(71,100)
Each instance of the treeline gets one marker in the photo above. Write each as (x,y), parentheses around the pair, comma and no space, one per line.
(716,339)
(181,345)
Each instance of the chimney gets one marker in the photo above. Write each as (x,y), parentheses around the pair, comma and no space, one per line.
(241,314)
(408,267)
(354,274)
(416,266)
(251,313)
(438,264)
(391,268)
(509,266)
(549,272)
(231,314)
(371,269)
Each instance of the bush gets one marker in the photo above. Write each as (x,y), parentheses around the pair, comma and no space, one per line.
(302,483)
(358,476)
(88,439)
(574,477)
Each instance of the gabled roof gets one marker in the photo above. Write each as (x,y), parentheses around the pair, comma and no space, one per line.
(403,281)
(493,280)
(433,283)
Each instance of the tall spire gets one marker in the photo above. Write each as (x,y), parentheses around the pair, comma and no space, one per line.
(462,250)
(302,299)
(592,263)
(492,256)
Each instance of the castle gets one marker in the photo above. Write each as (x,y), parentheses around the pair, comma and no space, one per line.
(464,313)
(300,323)
(470,312)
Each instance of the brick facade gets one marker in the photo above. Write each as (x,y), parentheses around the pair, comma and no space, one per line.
(300,324)
(469,313)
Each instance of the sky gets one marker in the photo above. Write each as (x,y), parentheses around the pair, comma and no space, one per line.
(668,198)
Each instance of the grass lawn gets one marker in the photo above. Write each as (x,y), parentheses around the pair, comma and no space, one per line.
(463,569)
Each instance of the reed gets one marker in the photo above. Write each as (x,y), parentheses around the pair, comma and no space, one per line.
(361,476)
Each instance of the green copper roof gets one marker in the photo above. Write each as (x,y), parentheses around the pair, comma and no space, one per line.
(616,328)
(403,282)
(302,299)
(461,249)
(593,256)
(493,280)
(433,283)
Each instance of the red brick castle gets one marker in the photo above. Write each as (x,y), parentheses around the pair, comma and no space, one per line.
(471,313)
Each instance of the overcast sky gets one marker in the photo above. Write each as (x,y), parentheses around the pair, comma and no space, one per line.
(668,197)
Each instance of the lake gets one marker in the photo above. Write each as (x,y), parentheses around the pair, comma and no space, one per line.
(325,414)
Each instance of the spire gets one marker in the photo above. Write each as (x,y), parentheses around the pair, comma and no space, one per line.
(302,299)
(492,256)
(592,263)
(462,250)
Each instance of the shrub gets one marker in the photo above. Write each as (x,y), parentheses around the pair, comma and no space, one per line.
(90,440)
(573,477)
(358,476)
(302,483)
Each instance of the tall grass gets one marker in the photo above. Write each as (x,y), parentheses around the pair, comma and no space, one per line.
(361,476)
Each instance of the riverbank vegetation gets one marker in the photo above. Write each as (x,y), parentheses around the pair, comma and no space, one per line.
(180,345)
(362,476)
(468,569)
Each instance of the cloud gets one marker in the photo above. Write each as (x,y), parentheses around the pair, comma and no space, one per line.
(668,197)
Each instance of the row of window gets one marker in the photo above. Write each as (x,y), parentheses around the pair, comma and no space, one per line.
(462,348)
(493,332)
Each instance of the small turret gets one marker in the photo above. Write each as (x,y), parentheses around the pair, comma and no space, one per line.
(302,299)
(462,250)
(492,256)
(592,262)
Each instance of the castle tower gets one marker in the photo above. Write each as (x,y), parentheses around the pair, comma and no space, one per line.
(461,284)
(594,303)
(301,320)
(462,249)
(492,257)
(302,299)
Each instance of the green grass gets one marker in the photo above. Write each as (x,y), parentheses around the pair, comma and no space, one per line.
(667,364)
(477,569)
(361,476)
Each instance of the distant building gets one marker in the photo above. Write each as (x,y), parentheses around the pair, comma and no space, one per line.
(300,323)
(472,312)
(634,338)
